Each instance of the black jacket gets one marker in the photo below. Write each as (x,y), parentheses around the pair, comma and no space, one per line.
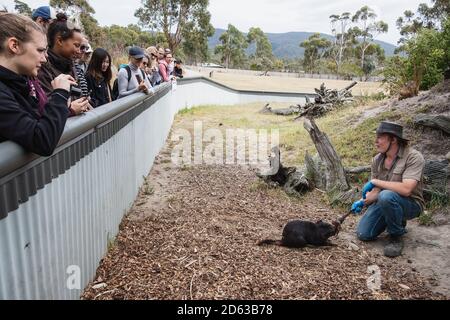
(101,91)
(55,66)
(20,120)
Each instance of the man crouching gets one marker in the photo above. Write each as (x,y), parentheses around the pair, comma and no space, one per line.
(395,193)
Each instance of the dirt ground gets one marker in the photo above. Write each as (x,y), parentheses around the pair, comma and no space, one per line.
(193,231)
(283,84)
(193,234)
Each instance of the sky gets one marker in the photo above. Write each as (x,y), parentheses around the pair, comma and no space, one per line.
(272,16)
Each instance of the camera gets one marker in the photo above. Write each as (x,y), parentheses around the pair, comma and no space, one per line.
(75,92)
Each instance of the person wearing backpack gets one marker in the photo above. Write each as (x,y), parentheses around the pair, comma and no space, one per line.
(132,79)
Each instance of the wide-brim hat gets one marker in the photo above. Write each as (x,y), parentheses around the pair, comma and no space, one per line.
(395,129)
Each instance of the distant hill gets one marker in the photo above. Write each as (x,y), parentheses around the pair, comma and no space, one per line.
(287,45)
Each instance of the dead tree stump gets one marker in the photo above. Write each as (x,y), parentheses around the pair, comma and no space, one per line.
(335,173)
(292,180)
(336,183)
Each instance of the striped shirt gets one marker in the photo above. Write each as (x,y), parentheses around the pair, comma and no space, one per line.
(82,83)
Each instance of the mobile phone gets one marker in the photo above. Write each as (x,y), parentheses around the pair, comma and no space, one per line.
(75,92)
(138,78)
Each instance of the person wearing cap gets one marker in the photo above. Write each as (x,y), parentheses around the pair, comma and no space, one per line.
(127,78)
(394,194)
(44,16)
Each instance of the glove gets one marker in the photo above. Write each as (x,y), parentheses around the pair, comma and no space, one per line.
(357,207)
(367,188)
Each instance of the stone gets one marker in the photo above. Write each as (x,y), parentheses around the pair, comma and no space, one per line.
(99,286)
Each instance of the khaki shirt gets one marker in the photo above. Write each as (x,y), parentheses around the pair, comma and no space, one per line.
(409,164)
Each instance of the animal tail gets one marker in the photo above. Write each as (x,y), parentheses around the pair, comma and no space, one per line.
(270,243)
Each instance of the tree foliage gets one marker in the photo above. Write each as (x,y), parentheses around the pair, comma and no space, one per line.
(174,18)
(425,44)
(195,40)
(315,49)
(22,8)
(263,57)
(367,30)
(232,49)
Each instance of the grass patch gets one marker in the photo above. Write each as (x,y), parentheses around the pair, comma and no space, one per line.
(354,143)
(426,219)
(147,189)
(438,201)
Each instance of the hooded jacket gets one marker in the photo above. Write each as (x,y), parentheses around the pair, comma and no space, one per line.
(20,117)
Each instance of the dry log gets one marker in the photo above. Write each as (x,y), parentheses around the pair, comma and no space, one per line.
(293,180)
(439,122)
(281,112)
(335,174)
(266,109)
(354,83)
(325,101)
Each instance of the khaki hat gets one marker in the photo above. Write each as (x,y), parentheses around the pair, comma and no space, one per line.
(391,128)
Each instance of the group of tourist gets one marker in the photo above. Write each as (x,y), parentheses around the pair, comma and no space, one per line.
(49,72)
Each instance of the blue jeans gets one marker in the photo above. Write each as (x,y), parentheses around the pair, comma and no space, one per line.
(389,213)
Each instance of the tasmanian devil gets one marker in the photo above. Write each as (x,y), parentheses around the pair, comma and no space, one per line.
(299,234)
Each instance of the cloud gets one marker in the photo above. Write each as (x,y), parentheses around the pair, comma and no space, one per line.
(275,16)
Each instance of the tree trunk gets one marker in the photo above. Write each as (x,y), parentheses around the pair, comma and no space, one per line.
(292,180)
(335,173)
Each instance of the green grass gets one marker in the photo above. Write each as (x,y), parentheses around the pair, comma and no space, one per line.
(438,201)
(354,143)
(426,219)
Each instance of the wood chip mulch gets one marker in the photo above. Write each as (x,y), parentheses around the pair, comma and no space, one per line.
(202,245)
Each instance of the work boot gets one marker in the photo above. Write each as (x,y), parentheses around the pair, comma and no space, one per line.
(394,248)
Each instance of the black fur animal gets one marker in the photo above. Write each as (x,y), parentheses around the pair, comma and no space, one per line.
(299,234)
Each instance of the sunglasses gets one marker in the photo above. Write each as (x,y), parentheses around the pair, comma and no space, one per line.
(83,48)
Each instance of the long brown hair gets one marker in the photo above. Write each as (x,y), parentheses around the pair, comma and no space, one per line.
(17,26)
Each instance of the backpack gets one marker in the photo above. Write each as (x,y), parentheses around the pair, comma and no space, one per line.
(115,89)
